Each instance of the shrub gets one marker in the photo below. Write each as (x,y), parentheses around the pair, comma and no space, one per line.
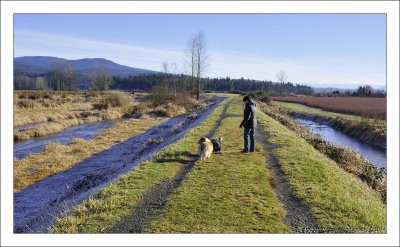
(115,99)
(27,104)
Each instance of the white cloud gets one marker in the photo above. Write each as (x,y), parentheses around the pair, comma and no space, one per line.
(223,63)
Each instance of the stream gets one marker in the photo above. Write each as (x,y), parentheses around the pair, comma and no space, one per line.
(376,156)
(38,144)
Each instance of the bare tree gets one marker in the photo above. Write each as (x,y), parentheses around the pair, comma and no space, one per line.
(174,68)
(165,71)
(282,76)
(100,79)
(197,58)
(62,76)
(190,57)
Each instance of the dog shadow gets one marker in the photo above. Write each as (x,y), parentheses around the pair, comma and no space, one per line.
(184,157)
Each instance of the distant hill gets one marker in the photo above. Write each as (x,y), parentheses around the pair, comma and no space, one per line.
(37,65)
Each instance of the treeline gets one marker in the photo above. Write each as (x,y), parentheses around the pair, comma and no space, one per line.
(222,84)
(63,77)
(368,91)
(361,91)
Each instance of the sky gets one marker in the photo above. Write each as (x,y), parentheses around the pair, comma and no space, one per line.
(314,49)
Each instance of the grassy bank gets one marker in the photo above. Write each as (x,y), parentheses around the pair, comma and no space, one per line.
(115,202)
(346,158)
(229,193)
(57,157)
(339,200)
(369,130)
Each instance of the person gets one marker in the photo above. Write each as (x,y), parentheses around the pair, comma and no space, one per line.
(249,123)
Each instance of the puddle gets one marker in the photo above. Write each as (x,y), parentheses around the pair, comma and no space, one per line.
(35,206)
(37,145)
(375,155)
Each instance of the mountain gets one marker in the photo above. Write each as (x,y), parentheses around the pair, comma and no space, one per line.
(37,65)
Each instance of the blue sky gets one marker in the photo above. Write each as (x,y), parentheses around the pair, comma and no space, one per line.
(311,48)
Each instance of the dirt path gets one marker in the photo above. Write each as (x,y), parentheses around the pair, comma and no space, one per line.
(156,198)
(36,205)
(299,217)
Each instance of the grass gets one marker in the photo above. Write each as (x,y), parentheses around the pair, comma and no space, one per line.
(101,212)
(229,193)
(338,199)
(57,157)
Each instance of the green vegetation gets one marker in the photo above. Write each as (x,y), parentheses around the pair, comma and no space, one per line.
(338,199)
(228,193)
(111,204)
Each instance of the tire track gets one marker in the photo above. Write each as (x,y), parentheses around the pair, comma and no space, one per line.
(299,217)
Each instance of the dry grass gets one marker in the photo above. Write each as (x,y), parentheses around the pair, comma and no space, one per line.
(170,107)
(56,111)
(58,157)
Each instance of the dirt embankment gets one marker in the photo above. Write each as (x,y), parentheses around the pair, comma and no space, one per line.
(360,130)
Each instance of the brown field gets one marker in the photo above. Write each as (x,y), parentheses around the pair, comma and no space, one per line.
(366,107)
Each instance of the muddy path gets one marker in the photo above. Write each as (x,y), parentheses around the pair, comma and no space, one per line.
(154,201)
(299,217)
(36,206)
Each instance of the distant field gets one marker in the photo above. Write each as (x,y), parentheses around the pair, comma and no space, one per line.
(368,107)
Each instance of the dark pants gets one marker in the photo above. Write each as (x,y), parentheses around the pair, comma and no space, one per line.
(249,132)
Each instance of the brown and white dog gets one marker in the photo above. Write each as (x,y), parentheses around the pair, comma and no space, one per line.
(205,148)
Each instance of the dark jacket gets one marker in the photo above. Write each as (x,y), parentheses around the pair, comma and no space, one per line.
(250,115)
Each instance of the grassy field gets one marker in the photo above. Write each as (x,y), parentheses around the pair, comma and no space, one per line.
(101,212)
(361,106)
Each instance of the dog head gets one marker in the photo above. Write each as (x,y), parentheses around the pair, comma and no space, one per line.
(203,139)
(217,139)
